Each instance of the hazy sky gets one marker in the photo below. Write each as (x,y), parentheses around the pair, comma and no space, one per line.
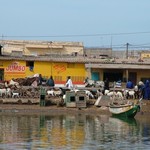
(99,23)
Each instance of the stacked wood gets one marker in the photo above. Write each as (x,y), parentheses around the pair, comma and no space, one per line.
(25,81)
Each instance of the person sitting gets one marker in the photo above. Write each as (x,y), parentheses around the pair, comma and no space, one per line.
(51,82)
(129,85)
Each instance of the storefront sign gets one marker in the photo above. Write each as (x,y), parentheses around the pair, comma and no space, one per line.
(15,67)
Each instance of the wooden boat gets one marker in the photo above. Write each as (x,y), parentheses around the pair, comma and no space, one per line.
(127,110)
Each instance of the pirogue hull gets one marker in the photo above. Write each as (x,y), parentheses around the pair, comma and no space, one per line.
(128,111)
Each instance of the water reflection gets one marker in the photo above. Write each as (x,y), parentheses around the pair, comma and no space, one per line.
(73,132)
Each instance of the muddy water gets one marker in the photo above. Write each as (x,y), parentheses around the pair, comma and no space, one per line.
(76,131)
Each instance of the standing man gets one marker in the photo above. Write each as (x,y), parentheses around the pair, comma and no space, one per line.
(147,90)
(69,83)
(106,84)
(40,79)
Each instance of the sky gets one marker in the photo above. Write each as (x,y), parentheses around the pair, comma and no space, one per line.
(96,23)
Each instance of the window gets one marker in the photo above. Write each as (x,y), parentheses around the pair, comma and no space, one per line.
(72,99)
(30,64)
(81,98)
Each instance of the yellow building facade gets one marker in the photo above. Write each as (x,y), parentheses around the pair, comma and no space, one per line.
(20,69)
(26,58)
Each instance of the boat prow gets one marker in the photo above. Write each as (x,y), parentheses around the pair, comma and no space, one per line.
(127,110)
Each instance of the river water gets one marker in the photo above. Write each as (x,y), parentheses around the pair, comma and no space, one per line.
(74,131)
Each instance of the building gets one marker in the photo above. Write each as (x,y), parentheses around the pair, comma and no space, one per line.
(36,48)
(98,52)
(20,59)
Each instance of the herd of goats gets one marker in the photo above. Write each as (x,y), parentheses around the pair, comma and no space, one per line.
(21,88)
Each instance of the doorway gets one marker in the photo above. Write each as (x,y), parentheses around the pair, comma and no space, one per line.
(133,77)
(95,76)
(113,76)
(1,75)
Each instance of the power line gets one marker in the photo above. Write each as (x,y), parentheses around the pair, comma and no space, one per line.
(73,35)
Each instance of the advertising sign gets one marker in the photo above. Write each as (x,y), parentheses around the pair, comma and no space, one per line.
(15,70)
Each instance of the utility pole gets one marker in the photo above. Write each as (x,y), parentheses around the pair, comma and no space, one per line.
(127,46)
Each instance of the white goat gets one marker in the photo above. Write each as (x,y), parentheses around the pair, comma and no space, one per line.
(3,92)
(111,94)
(15,94)
(89,94)
(129,94)
(106,91)
(51,92)
(64,97)
(119,95)
(99,93)
(57,92)
(8,92)
(11,82)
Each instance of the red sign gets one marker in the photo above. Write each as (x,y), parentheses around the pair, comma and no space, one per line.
(15,67)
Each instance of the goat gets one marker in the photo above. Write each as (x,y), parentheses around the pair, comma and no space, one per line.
(106,91)
(136,89)
(3,92)
(119,95)
(8,92)
(89,94)
(111,94)
(15,94)
(57,92)
(51,92)
(129,94)
(11,82)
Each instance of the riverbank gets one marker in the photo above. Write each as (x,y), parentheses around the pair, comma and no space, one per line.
(53,109)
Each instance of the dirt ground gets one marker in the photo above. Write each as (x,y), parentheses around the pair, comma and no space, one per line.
(53,109)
